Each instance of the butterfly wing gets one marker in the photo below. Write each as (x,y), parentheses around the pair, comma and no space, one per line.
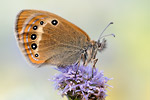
(46,38)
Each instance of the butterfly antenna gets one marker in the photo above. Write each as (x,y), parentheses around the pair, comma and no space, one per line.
(104,31)
(107,35)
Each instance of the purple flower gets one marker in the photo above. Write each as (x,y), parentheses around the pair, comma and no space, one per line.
(81,86)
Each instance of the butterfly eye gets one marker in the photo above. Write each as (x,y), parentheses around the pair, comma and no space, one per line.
(36,55)
(54,22)
(33,46)
(41,22)
(33,36)
(35,27)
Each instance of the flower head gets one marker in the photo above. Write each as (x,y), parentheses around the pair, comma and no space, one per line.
(81,85)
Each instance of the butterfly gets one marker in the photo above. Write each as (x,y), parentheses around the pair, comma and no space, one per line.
(46,38)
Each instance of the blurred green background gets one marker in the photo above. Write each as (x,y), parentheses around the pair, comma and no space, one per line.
(126,59)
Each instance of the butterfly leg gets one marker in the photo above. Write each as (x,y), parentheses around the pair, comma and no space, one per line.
(93,68)
(78,64)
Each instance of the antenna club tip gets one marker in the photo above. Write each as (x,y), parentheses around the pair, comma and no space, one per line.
(113,35)
(111,22)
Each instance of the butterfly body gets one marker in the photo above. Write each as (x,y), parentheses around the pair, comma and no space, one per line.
(45,38)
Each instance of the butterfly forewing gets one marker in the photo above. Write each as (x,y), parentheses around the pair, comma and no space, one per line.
(46,38)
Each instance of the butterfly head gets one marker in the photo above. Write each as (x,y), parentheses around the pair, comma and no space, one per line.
(94,46)
(102,44)
(97,46)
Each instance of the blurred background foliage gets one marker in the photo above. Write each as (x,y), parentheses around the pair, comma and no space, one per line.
(126,59)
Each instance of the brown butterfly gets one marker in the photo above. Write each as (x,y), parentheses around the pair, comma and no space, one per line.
(45,38)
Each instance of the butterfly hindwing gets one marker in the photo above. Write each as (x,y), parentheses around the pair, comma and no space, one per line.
(46,38)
